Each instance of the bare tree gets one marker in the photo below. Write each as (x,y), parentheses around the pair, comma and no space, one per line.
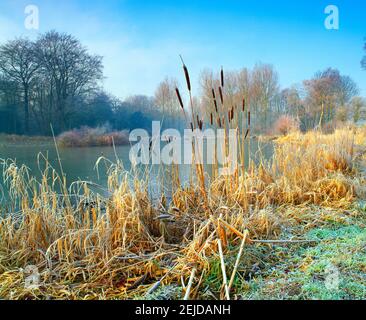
(165,97)
(72,69)
(141,103)
(209,84)
(358,109)
(319,99)
(18,64)
(343,87)
(244,83)
(264,89)
(293,103)
(327,92)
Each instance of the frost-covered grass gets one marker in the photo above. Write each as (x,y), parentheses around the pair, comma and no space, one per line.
(335,268)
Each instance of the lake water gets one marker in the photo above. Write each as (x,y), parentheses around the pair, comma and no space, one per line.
(79,163)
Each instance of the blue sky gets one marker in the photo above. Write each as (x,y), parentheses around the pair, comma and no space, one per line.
(141,40)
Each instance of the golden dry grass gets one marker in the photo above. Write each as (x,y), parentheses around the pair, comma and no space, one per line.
(89,247)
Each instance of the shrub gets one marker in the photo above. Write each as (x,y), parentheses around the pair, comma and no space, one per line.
(92,137)
(286,124)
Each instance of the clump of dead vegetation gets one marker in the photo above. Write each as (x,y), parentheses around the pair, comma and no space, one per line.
(92,137)
(125,246)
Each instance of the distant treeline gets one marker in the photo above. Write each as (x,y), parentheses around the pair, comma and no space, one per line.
(55,80)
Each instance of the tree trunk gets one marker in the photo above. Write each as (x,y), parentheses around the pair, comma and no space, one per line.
(26,109)
(321,117)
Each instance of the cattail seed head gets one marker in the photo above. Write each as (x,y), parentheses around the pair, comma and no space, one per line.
(179,98)
(216,109)
(213,93)
(186,74)
(192,126)
(243,104)
(246,134)
(221,95)
(249,119)
(222,77)
(211,119)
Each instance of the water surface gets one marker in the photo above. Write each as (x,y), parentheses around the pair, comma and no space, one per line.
(80,163)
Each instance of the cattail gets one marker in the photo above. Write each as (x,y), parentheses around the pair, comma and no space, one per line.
(232,113)
(192,126)
(221,95)
(247,133)
(211,119)
(216,109)
(179,98)
(229,115)
(248,118)
(243,104)
(201,125)
(223,121)
(222,77)
(214,99)
(187,78)
(198,120)
(186,73)
(219,122)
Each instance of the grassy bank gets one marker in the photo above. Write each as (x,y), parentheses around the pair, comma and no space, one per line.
(128,246)
(6,139)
